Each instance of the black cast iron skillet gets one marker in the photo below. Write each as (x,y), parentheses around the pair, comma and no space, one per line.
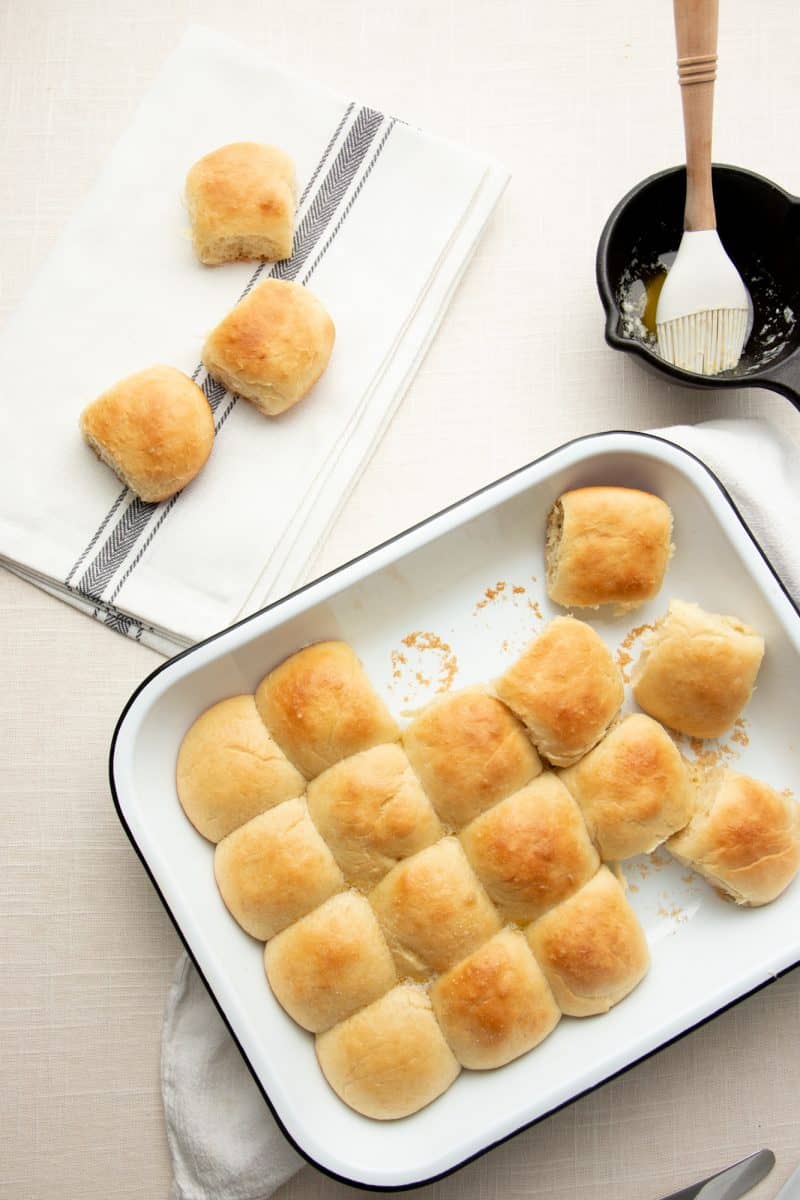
(759,224)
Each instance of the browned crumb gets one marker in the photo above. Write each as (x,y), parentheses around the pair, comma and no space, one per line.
(740,734)
(398,662)
(518,590)
(706,757)
(424,642)
(659,860)
(644,869)
(633,887)
(504,646)
(624,657)
(688,877)
(534,607)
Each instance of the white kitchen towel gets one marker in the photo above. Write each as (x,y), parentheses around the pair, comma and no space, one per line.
(223,1140)
(389,218)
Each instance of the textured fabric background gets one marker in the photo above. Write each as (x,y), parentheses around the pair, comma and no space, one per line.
(579,101)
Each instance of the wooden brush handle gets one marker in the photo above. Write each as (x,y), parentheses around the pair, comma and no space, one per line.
(696,24)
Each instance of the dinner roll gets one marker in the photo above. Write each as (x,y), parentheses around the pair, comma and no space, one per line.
(591,948)
(633,788)
(372,812)
(744,837)
(229,769)
(331,963)
(275,869)
(320,707)
(469,751)
(697,671)
(272,347)
(154,429)
(241,200)
(566,688)
(432,910)
(531,850)
(496,1004)
(607,545)
(390,1059)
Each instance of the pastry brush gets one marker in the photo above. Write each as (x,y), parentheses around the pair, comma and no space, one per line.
(701,318)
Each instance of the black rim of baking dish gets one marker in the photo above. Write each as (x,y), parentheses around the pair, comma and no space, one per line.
(371,1187)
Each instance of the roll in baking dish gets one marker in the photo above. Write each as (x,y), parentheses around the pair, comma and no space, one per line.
(320,707)
(372,812)
(495,1004)
(591,948)
(607,545)
(744,837)
(391,1058)
(330,963)
(275,869)
(469,751)
(229,769)
(633,789)
(531,850)
(566,688)
(697,670)
(433,910)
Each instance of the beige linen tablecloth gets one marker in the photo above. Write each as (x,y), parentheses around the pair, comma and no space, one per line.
(579,101)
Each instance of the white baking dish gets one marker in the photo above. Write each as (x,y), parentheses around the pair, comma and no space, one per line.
(441,578)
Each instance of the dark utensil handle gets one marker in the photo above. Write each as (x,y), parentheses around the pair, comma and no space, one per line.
(784,377)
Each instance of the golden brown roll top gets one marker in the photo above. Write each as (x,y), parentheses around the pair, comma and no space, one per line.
(432,910)
(391,1058)
(241,200)
(566,688)
(154,429)
(275,869)
(744,837)
(330,963)
(496,1004)
(272,347)
(607,545)
(229,769)
(591,948)
(697,671)
(633,789)
(372,812)
(320,707)
(531,850)
(469,751)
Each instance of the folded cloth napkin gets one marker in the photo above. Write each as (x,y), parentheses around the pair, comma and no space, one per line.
(222,1137)
(388,220)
